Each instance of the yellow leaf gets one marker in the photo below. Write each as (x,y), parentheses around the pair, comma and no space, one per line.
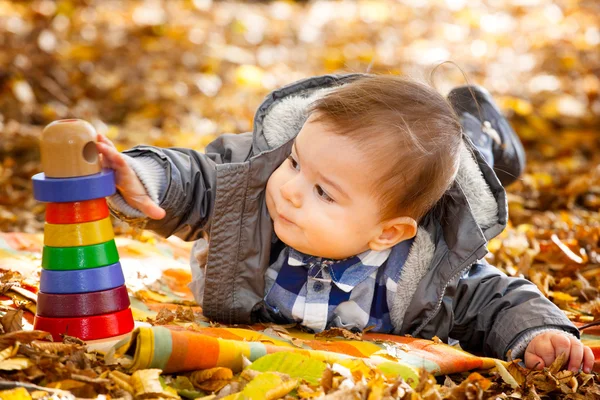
(268,385)
(147,295)
(122,380)
(358,368)
(15,364)
(409,373)
(146,384)
(506,376)
(15,394)
(377,387)
(9,352)
(282,389)
(560,296)
(67,384)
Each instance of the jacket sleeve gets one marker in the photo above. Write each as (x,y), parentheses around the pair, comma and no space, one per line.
(190,184)
(492,311)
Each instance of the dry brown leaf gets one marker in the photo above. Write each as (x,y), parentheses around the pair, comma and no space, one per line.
(339,332)
(164,317)
(327,380)
(53,347)
(185,314)
(11,338)
(79,389)
(212,379)
(12,321)
(558,363)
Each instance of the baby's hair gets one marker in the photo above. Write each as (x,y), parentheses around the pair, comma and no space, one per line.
(408,128)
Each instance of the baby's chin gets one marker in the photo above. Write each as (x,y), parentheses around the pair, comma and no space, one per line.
(297,245)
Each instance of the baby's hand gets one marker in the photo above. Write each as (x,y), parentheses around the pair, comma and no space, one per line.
(128,183)
(545,347)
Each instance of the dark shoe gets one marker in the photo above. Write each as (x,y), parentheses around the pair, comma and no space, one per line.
(507,150)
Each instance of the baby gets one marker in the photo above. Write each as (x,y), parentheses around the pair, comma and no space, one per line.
(358,201)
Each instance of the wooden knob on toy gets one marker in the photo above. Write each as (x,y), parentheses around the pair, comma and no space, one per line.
(68,149)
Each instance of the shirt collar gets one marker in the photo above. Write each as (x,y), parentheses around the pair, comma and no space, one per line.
(346,273)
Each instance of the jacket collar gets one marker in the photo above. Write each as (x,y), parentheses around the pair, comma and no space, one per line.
(345,273)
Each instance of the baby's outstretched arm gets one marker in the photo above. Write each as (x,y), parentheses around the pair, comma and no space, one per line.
(547,346)
(127,181)
(174,187)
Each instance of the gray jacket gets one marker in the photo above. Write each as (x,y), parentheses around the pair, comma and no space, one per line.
(445,289)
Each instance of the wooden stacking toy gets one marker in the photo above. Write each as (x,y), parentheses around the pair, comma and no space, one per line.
(82,287)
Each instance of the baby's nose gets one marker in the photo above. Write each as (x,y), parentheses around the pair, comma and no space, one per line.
(291,193)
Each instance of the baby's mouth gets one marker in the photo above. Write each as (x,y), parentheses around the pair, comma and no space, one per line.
(285,220)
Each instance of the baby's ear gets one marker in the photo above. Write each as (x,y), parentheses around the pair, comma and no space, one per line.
(394,231)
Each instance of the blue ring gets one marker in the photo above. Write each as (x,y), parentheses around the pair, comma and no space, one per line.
(82,281)
(79,188)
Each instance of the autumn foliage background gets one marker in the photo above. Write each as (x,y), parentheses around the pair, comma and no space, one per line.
(178,73)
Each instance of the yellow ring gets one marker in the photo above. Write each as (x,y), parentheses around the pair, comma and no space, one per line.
(85,234)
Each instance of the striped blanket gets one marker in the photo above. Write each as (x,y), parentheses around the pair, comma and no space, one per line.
(157,274)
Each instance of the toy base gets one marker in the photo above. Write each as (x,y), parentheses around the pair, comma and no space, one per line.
(87,328)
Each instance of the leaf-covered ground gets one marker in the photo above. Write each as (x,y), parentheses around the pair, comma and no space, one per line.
(180,72)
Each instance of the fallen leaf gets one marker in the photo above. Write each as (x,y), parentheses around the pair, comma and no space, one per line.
(12,321)
(293,364)
(212,379)
(15,364)
(15,394)
(339,332)
(146,384)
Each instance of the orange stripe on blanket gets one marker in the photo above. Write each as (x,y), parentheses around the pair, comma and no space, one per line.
(448,358)
(187,355)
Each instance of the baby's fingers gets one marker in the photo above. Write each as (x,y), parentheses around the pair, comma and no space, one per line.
(111,158)
(100,138)
(576,355)
(588,360)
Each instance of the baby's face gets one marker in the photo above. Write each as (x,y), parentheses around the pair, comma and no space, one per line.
(320,198)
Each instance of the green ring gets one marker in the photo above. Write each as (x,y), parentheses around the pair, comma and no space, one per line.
(80,257)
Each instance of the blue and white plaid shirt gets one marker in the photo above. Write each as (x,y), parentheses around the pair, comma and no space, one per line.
(353,293)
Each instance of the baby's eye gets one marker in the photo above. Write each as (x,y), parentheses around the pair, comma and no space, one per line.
(322,194)
(294,163)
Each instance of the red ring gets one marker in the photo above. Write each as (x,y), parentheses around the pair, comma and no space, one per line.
(82,304)
(77,212)
(87,328)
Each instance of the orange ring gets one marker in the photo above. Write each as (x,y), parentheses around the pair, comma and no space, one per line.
(77,211)
(87,328)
